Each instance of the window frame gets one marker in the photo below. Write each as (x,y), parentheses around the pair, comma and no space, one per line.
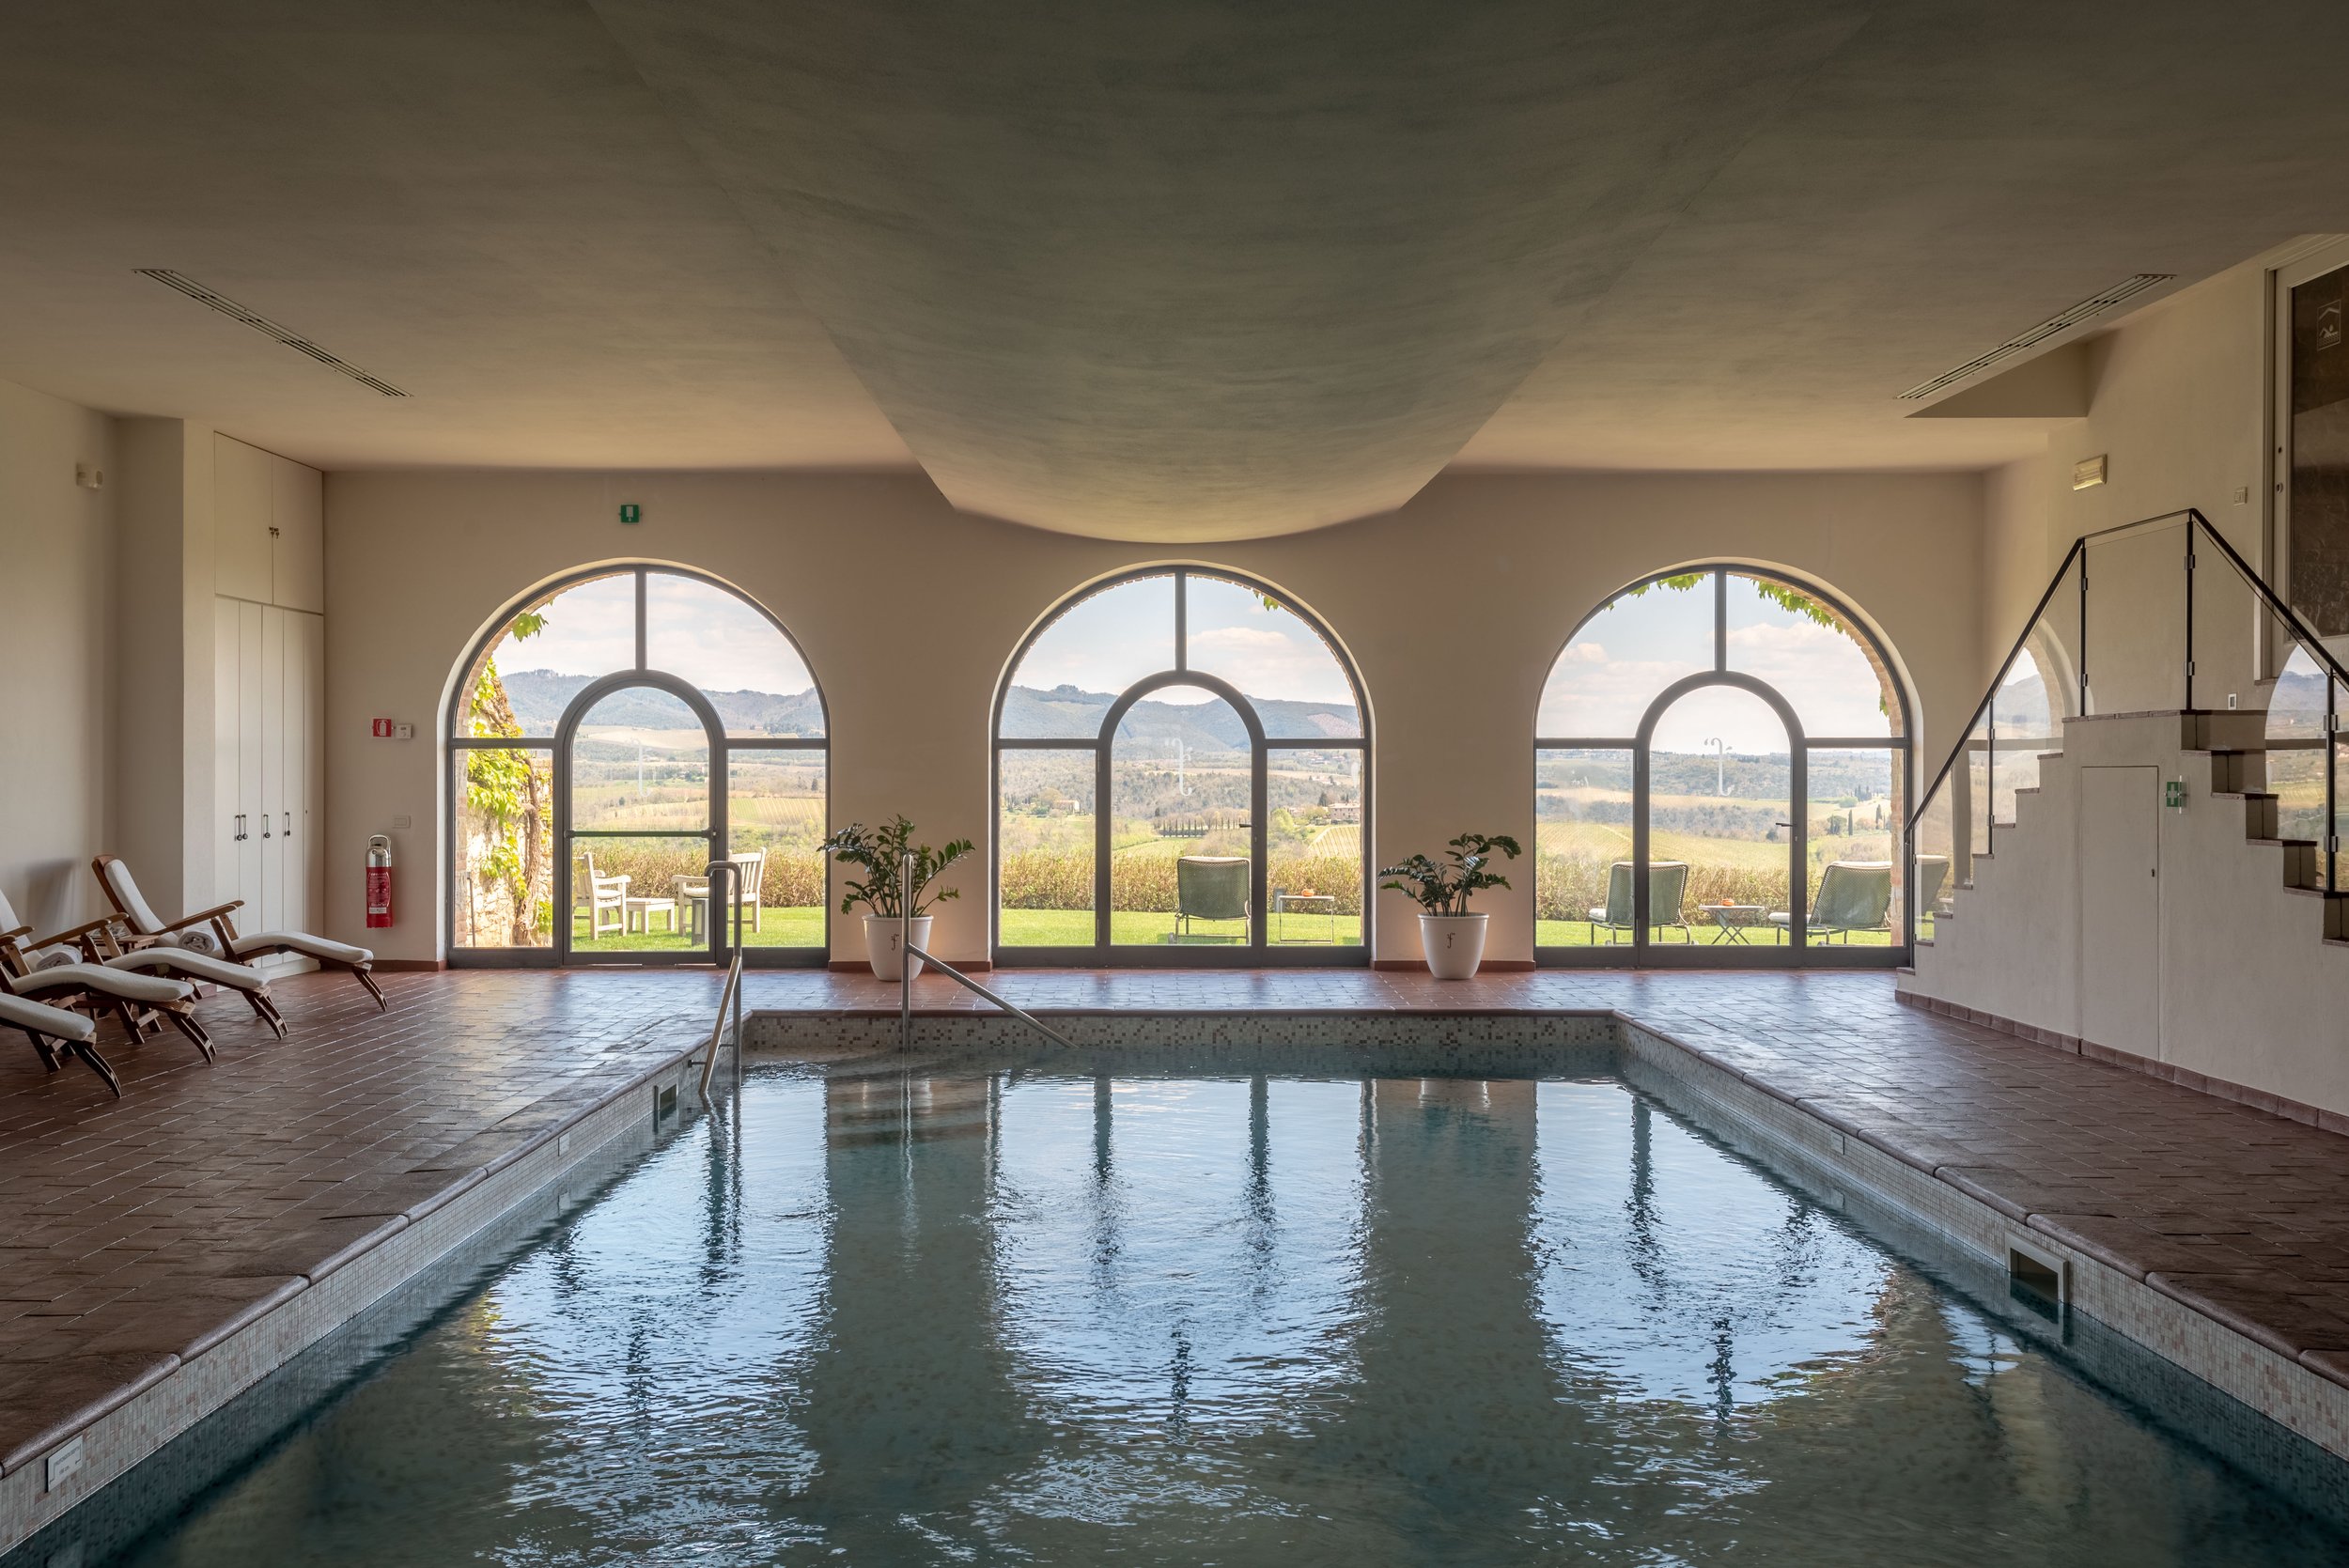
(1798,951)
(455,742)
(1259,951)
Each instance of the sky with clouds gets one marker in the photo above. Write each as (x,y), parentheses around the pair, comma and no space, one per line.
(1627,653)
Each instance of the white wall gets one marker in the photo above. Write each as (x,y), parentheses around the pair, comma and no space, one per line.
(1453,607)
(2178,396)
(2248,989)
(57,655)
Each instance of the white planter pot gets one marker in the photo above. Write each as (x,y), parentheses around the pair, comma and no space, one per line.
(882,933)
(1455,944)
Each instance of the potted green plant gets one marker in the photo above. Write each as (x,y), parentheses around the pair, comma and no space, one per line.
(887,854)
(1450,936)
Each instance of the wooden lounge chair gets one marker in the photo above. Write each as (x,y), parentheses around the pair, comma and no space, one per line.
(148,930)
(94,989)
(96,942)
(57,1034)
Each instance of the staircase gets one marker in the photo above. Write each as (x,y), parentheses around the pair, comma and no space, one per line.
(2196,942)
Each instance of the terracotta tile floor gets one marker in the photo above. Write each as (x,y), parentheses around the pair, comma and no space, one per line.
(143,1229)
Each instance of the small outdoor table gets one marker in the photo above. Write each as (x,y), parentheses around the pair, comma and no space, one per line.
(1304,903)
(1734,921)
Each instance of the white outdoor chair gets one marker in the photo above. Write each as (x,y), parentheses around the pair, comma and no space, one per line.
(54,1033)
(605,894)
(752,865)
(148,930)
(96,942)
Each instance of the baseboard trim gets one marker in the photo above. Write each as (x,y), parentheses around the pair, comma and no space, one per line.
(1490,966)
(859,966)
(410,965)
(2167,1072)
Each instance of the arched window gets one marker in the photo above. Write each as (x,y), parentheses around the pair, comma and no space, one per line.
(1741,740)
(1181,776)
(609,738)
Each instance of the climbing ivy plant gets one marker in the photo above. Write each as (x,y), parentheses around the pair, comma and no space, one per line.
(502,784)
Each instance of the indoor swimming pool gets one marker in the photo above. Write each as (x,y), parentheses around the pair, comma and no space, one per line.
(981,1312)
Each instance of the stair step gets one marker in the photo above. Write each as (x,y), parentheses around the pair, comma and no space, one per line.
(2285,842)
(2318,893)
(2245,795)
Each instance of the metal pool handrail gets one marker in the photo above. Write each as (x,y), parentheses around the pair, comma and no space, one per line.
(908,952)
(715,873)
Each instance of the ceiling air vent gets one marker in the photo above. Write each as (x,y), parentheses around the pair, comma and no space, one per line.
(2095,304)
(267,328)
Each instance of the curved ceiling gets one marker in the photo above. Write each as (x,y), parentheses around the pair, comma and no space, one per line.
(1198,271)
(1158,270)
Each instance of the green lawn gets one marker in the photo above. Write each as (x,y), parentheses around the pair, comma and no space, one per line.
(800,927)
(1575,932)
(1074,928)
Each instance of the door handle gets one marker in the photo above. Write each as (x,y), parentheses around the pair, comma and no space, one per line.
(289,832)
(265,833)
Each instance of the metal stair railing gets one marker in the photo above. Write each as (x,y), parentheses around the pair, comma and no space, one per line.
(907,953)
(2058,629)
(730,875)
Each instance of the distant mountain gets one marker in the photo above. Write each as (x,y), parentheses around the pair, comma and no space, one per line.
(539,697)
(1072,712)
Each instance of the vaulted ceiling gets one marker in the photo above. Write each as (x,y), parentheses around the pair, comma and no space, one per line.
(1147,269)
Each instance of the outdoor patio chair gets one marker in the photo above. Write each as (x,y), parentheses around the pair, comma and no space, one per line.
(1666,888)
(1854,895)
(605,894)
(222,940)
(57,1034)
(93,989)
(1931,871)
(753,866)
(1210,887)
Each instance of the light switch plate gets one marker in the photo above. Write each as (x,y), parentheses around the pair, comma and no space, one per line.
(401,823)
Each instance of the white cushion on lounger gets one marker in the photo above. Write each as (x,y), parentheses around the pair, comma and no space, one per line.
(105,982)
(55,1022)
(302,943)
(125,888)
(191,966)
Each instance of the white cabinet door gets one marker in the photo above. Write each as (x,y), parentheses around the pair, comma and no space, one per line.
(242,483)
(272,900)
(2119,838)
(229,806)
(249,720)
(297,539)
(310,813)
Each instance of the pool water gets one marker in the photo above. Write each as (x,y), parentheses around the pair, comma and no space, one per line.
(880,1317)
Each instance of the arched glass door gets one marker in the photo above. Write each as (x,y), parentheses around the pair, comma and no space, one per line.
(638,823)
(649,721)
(1720,778)
(1180,778)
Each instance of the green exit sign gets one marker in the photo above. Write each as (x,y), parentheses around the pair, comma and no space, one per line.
(2173,793)
(631,512)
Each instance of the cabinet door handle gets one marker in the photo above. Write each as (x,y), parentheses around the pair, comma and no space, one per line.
(242,834)
(289,832)
(265,833)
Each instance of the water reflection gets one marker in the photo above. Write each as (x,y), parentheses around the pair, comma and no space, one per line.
(881,1317)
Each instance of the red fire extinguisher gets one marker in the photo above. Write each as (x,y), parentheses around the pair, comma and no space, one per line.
(378,882)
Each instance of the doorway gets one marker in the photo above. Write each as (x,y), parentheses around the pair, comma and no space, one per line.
(638,822)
